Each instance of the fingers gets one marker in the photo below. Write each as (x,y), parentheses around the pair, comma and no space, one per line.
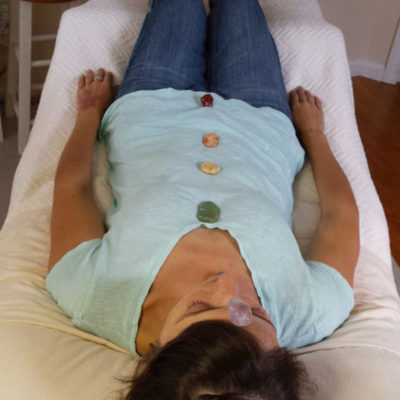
(318,103)
(101,73)
(108,78)
(310,97)
(88,77)
(300,95)
(294,97)
(81,82)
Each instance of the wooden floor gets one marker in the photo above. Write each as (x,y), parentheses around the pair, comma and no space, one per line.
(378,116)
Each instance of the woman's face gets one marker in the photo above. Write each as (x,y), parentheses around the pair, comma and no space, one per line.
(209,300)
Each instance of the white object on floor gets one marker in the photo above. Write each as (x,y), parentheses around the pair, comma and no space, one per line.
(38,343)
(19,67)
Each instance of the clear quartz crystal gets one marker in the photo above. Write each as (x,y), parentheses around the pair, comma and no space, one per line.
(239,312)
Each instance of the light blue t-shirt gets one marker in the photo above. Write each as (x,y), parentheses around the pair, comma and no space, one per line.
(155,145)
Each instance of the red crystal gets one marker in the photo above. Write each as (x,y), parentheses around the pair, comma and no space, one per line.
(207,100)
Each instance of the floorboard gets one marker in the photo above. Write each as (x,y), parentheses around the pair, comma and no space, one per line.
(377,107)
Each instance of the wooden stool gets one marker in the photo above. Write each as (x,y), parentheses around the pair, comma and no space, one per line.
(20,59)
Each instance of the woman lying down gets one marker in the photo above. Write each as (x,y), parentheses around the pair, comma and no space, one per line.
(196,268)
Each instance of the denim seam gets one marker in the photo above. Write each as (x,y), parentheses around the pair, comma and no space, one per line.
(159,68)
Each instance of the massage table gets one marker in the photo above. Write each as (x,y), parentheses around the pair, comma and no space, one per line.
(43,356)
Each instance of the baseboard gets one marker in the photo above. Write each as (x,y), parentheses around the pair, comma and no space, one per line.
(373,71)
(367,69)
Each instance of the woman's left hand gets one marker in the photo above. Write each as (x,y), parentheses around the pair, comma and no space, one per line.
(94,94)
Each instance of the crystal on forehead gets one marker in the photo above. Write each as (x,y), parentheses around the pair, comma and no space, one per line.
(239,312)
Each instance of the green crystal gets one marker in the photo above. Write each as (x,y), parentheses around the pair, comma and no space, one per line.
(207,211)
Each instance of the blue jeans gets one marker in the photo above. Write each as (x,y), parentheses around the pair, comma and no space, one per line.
(232,52)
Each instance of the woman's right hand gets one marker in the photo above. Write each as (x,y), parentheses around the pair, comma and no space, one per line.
(308,117)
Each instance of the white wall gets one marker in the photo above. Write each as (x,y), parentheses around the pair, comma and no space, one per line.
(369,28)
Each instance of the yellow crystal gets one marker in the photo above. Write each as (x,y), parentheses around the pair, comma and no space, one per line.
(210,168)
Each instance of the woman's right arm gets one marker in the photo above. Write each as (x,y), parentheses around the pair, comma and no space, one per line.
(75,216)
(336,241)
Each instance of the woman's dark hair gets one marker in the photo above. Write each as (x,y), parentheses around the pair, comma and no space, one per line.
(213,360)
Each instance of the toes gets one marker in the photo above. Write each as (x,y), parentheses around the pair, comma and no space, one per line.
(89,76)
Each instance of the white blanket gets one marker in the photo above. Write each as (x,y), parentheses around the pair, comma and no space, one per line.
(39,346)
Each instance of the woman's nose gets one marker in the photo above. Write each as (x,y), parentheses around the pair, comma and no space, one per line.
(226,286)
(227,292)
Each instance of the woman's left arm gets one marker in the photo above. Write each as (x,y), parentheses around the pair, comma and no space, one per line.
(75,216)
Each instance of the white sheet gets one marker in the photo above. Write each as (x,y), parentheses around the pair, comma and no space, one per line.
(38,343)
